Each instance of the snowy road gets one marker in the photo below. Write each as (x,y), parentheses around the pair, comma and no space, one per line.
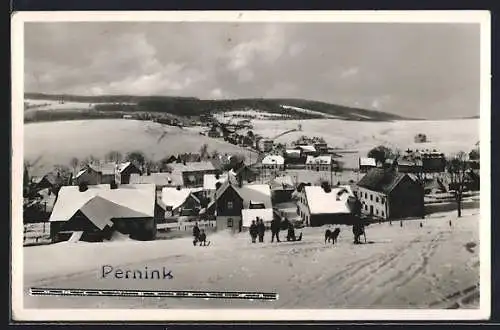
(433,266)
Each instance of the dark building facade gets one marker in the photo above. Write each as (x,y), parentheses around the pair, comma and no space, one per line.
(389,194)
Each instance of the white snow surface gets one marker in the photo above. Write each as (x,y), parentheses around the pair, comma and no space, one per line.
(433,266)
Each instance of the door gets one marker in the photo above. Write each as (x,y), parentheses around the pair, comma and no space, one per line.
(371,210)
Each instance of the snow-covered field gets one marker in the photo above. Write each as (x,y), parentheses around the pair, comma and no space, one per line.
(434,266)
(308,111)
(447,136)
(48,105)
(59,141)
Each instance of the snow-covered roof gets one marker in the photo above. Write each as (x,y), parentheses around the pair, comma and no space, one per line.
(158,179)
(100,203)
(308,148)
(292,151)
(80,173)
(192,166)
(273,160)
(122,166)
(209,180)
(366,161)
(327,160)
(104,168)
(255,193)
(249,215)
(174,197)
(334,202)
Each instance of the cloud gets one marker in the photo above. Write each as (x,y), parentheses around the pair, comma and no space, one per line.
(429,69)
(349,72)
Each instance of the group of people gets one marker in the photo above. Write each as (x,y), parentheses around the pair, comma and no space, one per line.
(199,236)
(258,229)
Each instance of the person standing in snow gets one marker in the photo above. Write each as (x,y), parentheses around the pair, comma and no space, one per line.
(253,231)
(275,230)
(261,229)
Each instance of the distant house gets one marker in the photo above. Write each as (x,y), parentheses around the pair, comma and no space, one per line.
(50,181)
(321,147)
(243,172)
(319,163)
(160,180)
(236,205)
(294,157)
(282,188)
(273,162)
(389,194)
(366,164)
(193,172)
(96,173)
(265,145)
(123,172)
(410,165)
(318,206)
(179,202)
(210,181)
(433,162)
(307,150)
(215,132)
(94,212)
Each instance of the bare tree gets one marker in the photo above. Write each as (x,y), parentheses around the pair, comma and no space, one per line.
(113,156)
(74,163)
(457,169)
(204,151)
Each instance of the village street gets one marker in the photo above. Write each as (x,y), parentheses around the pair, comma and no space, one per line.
(433,266)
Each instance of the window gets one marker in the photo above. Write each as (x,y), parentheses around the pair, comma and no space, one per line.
(366,195)
(383,214)
(377,199)
(371,197)
(383,200)
(229,205)
(376,212)
(366,207)
(229,223)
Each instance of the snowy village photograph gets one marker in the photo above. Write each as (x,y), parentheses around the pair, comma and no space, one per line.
(252,164)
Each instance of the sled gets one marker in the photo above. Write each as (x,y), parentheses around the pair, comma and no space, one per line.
(208,243)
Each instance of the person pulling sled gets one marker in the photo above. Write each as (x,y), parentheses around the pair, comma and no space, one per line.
(196,234)
(291,234)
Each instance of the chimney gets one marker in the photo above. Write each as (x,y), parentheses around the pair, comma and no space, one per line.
(178,188)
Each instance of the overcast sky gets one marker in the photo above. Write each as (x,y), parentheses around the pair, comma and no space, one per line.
(420,70)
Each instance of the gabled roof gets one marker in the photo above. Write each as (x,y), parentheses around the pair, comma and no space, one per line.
(159,179)
(209,180)
(174,197)
(381,180)
(104,168)
(367,161)
(192,166)
(255,193)
(307,148)
(127,200)
(123,166)
(274,160)
(333,202)
(282,182)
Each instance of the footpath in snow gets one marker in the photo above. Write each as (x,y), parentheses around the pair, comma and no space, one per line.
(433,266)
